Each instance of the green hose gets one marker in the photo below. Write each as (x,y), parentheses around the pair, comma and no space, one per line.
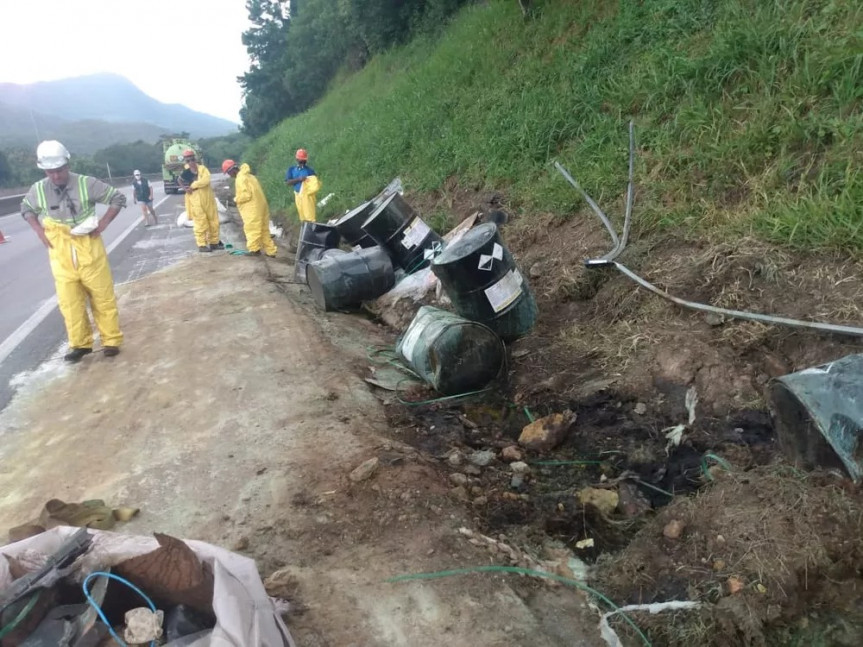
(724,464)
(523,571)
(21,614)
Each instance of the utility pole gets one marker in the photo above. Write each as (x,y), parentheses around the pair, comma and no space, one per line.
(109,171)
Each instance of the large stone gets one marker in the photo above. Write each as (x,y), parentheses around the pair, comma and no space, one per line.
(547,433)
(365,470)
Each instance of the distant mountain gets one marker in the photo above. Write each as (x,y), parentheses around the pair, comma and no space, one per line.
(19,128)
(106,98)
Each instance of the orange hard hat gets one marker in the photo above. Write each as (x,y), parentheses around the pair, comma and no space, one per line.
(227,165)
(188,153)
(302,155)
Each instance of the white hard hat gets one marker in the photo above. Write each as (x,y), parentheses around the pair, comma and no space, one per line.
(51,154)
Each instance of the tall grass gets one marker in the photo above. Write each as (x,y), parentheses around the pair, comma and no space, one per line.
(749,114)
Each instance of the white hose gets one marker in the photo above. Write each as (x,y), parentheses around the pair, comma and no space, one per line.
(620,244)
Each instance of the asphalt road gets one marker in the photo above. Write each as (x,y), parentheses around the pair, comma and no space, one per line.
(27,288)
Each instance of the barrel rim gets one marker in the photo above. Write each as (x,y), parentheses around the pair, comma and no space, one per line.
(454,248)
(353,213)
(383,205)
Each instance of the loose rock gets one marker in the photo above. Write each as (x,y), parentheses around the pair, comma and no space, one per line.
(472,470)
(517,482)
(714,319)
(460,493)
(735,585)
(640,408)
(519,467)
(241,544)
(547,433)
(536,270)
(632,502)
(510,453)
(458,479)
(455,458)
(480,501)
(282,584)
(365,470)
(483,458)
(673,529)
(603,500)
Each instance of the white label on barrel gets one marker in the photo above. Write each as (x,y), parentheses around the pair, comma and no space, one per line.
(505,291)
(411,340)
(415,233)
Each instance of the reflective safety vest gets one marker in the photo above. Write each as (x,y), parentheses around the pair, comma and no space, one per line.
(87,207)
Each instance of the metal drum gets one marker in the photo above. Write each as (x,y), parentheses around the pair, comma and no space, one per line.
(481,279)
(409,240)
(347,279)
(452,354)
(315,238)
(350,226)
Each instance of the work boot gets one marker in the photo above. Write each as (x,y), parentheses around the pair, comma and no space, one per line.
(76,354)
(218,246)
(271,255)
(111,351)
(205,248)
(257,252)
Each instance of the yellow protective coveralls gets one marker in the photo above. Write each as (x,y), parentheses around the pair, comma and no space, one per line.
(79,263)
(306,198)
(254,210)
(201,207)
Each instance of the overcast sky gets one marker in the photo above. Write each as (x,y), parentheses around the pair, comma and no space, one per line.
(146,41)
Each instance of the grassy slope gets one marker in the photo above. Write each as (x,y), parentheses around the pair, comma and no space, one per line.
(748,113)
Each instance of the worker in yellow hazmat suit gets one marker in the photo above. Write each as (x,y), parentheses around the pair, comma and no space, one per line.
(306,186)
(69,228)
(201,204)
(253,207)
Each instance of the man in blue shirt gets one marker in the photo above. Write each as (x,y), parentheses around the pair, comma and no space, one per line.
(295,177)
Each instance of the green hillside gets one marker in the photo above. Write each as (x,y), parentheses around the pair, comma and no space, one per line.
(748,114)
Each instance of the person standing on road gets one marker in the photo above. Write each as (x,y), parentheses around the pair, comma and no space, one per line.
(66,204)
(201,204)
(143,193)
(253,207)
(306,186)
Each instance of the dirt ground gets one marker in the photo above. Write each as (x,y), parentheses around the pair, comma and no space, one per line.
(235,415)
(773,554)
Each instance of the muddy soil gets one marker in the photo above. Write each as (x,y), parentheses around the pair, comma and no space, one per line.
(235,415)
(624,360)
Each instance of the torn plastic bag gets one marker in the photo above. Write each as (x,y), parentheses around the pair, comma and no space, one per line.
(245,614)
(393,187)
(85,227)
(224,216)
(183,220)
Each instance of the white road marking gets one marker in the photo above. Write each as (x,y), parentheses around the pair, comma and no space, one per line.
(23,331)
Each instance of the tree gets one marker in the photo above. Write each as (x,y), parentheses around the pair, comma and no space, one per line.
(266,100)
(6,177)
(297,47)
